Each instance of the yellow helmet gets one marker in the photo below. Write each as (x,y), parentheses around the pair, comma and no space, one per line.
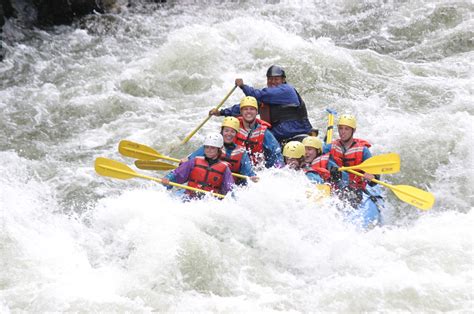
(294,149)
(313,141)
(249,101)
(231,122)
(349,120)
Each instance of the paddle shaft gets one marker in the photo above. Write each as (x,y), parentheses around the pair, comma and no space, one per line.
(186,139)
(153,165)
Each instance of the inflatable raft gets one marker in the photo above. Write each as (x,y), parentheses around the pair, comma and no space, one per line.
(368,214)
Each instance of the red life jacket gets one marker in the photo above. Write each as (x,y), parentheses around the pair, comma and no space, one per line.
(252,141)
(205,177)
(350,157)
(322,172)
(235,158)
(319,165)
(321,161)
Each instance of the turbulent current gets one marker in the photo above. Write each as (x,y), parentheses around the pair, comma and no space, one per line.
(71,240)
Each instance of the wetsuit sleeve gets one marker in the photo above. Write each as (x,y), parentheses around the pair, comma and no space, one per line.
(233,111)
(246,167)
(272,151)
(199,152)
(366,154)
(331,163)
(227,182)
(326,148)
(181,174)
(170,176)
(314,177)
(283,94)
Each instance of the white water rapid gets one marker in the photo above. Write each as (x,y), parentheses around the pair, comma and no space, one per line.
(73,241)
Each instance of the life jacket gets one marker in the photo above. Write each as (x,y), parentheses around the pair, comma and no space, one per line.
(320,166)
(321,161)
(277,113)
(252,140)
(351,157)
(235,158)
(322,172)
(205,177)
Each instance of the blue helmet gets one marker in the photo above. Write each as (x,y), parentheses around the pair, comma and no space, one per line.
(276,70)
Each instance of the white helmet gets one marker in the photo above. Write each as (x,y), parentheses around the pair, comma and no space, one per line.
(214,140)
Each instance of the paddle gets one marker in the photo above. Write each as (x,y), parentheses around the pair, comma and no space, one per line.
(140,151)
(324,189)
(409,194)
(330,127)
(380,164)
(321,192)
(146,153)
(114,169)
(159,165)
(186,139)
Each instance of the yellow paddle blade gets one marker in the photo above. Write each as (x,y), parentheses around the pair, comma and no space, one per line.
(380,164)
(111,168)
(414,196)
(138,151)
(321,192)
(154,165)
(409,194)
(323,189)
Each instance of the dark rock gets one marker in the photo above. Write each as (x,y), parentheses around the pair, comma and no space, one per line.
(43,13)
(39,13)
(23,10)
(54,12)
(5,12)
(48,12)
(2,20)
(6,8)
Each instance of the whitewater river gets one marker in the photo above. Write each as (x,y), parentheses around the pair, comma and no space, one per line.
(73,241)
